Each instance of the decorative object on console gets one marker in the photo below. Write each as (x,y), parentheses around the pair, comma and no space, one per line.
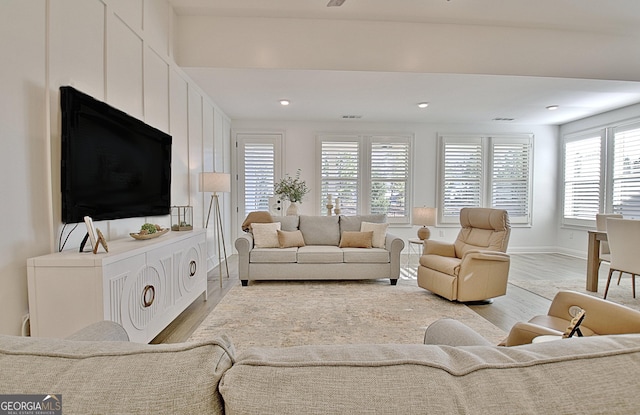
(91,234)
(101,241)
(181,218)
(144,236)
(424,216)
(293,190)
(337,209)
(149,231)
(217,182)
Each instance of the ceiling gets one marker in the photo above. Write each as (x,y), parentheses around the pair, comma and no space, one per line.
(323,95)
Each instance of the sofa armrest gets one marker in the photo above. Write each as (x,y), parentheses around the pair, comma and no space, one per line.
(244,245)
(101,331)
(450,332)
(394,245)
(438,248)
(524,333)
(482,255)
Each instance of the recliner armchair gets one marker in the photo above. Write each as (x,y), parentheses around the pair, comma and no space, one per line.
(473,268)
(602,317)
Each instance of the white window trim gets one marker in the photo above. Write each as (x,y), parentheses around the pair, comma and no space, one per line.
(487,141)
(607,134)
(364,179)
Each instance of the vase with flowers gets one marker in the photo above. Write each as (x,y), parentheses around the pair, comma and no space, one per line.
(292,189)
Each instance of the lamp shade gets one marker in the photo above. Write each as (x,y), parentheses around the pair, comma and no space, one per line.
(215,182)
(424,216)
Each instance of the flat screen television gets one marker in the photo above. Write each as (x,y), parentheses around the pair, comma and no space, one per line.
(113,165)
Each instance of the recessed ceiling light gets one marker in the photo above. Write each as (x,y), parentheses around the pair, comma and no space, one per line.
(553,107)
(423,105)
(285,102)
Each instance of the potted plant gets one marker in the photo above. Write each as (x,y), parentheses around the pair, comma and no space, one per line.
(293,190)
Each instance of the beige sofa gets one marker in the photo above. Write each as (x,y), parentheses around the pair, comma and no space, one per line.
(321,257)
(456,371)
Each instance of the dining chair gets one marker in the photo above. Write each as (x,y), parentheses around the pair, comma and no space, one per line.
(601,225)
(624,239)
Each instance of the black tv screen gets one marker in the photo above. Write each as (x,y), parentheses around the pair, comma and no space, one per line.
(114,166)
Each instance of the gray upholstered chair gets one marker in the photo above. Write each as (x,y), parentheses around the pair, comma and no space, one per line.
(473,268)
(624,238)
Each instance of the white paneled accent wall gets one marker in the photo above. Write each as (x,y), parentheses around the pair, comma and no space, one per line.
(120,52)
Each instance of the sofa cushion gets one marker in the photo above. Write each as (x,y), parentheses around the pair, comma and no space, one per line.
(379,232)
(273,255)
(265,235)
(356,239)
(291,239)
(103,377)
(366,256)
(353,223)
(320,254)
(288,223)
(320,230)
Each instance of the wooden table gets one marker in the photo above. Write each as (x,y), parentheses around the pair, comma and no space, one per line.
(593,258)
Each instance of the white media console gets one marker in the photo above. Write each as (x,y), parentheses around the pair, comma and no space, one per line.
(143,285)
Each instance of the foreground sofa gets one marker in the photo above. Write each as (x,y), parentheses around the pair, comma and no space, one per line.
(321,257)
(456,371)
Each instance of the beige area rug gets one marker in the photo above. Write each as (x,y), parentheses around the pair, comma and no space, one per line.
(548,282)
(291,313)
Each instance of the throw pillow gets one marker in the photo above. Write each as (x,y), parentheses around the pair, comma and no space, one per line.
(290,239)
(356,239)
(265,235)
(379,232)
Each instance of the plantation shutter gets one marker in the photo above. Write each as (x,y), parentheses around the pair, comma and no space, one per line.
(258,167)
(461,183)
(510,173)
(626,171)
(340,160)
(390,178)
(582,181)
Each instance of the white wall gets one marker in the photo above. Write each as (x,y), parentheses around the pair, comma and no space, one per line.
(121,52)
(299,153)
(573,239)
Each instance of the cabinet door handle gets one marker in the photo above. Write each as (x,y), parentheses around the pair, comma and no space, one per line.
(192,268)
(148,295)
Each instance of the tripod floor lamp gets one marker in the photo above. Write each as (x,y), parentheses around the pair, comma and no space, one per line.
(217,183)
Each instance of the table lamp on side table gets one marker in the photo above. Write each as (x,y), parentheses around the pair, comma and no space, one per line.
(424,216)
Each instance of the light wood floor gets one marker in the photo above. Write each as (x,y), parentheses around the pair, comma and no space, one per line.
(517,305)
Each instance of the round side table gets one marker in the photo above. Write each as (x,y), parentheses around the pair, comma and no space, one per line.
(415,248)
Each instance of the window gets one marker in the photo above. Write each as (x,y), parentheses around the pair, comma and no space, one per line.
(258,167)
(483,171)
(601,174)
(582,178)
(369,174)
(389,178)
(340,173)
